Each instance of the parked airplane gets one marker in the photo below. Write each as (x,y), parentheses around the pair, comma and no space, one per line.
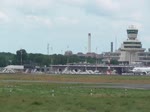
(141,70)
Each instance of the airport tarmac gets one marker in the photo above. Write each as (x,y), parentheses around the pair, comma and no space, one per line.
(89,85)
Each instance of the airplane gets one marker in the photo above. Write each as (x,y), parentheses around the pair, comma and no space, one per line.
(141,70)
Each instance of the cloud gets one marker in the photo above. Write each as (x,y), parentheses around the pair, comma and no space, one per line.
(117,9)
(61,11)
(27,6)
(107,5)
(137,16)
(66,20)
(102,8)
(75,2)
(27,3)
(3,17)
(37,20)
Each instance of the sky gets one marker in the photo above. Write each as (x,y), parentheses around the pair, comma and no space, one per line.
(65,24)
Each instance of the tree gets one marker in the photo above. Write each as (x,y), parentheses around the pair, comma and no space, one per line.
(2,61)
(21,56)
(6,58)
(114,62)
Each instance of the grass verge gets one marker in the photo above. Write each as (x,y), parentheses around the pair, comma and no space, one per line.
(49,97)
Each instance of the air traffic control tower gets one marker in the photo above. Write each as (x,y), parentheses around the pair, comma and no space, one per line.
(131,47)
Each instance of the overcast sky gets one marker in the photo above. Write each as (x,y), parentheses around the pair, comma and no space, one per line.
(65,24)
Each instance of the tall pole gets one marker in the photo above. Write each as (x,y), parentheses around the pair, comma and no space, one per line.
(111,48)
(48,49)
(89,42)
(96,58)
(21,56)
(51,55)
(85,54)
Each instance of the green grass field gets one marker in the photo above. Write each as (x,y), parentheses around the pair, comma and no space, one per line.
(61,97)
(79,78)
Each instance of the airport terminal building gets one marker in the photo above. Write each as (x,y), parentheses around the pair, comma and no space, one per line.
(131,50)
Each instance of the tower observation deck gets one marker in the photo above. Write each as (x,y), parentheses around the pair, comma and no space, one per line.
(132,32)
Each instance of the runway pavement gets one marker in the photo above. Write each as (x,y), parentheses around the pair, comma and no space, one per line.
(92,85)
(120,85)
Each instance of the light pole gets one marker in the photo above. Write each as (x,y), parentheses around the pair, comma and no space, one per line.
(96,58)
(85,54)
(21,56)
(146,60)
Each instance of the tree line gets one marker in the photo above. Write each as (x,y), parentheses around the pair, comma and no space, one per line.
(23,58)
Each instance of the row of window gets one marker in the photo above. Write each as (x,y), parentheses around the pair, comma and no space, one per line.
(144,58)
(143,54)
(132,31)
(132,47)
(132,43)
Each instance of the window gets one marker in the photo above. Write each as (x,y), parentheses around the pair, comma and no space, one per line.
(132,43)
(132,31)
(132,46)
